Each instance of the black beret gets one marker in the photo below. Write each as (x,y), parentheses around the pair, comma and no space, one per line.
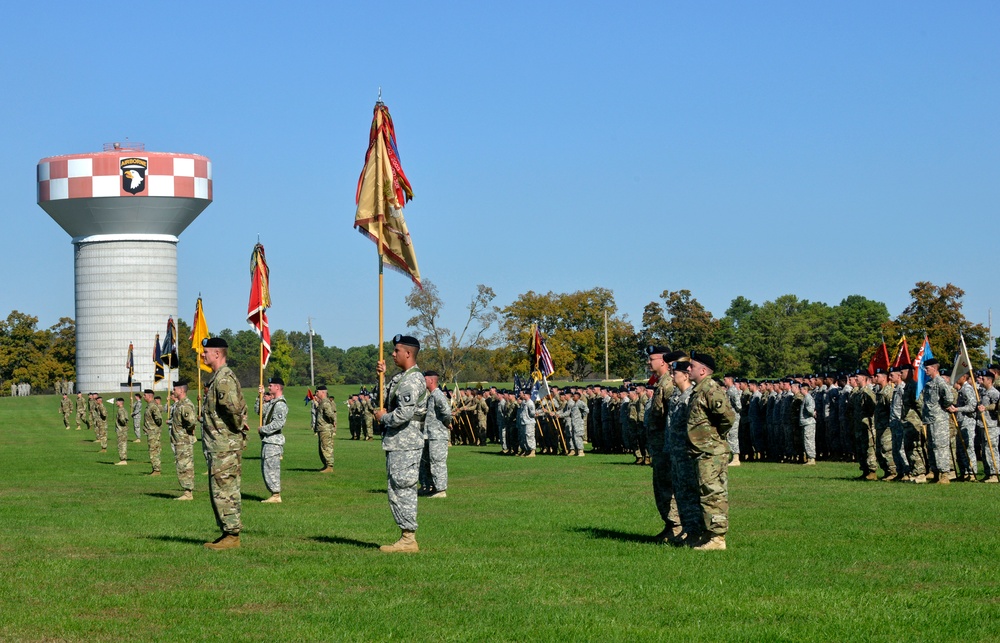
(406,340)
(434,374)
(880,371)
(655,350)
(276,379)
(321,387)
(987,373)
(181,382)
(702,358)
(682,366)
(147,391)
(931,362)
(214,342)
(946,371)
(903,367)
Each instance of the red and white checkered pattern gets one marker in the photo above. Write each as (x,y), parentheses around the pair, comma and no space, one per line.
(84,176)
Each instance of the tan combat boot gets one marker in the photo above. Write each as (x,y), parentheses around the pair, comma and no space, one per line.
(407,543)
(530,454)
(571,452)
(439,494)
(580,454)
(226,541)
(275,497)
(921,479)
(326,470)
(810,462)
(121,463)
(155,473)
(187,495)
(871,475)
(715,543)
(735,463)
(135,441)
(991,479)
(944,478)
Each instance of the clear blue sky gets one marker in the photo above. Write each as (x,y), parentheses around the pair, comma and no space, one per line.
(822,149)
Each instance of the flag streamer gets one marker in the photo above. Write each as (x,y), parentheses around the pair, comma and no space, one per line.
(260,300)
(199,332)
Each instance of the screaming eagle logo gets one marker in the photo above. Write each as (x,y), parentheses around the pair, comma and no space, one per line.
(134,174)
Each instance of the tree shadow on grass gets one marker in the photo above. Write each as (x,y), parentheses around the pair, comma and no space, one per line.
(613,534)
(337,540)
(178,539)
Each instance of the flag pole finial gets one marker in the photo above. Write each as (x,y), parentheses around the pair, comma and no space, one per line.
(380,94)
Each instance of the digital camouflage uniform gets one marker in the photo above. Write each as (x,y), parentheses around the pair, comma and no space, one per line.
(183,421)
(403,442)
(807,424)
(326,429)
(965,415)
(574,414)
(367,418)
(710,417)
(434,460)
(914,432)
(121,432)
(101,424)
(736,402)
(883,430)
(137,417)
(937,396)
(663,482)
(224,428)
(272,441)
(863,413)
(526,426)
(152,420)
(683,471)
(989,398)
(66,408)
(896,429)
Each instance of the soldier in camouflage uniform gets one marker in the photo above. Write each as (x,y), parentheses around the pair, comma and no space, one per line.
(989,399)
(896,425)
(367,416)
(526,426)
(183,421)
(353,417)
(882,421)
(152,420)
(663,482)
(121,431)
(272,441)
(710,418)
(863,413)
(807,424)
(965,413)
(137,416)
(914,433)
(434,461)
(735,401)
(574,414)
(685,474)
(81,411)
(937,397)
(224,431)
(402,424)
(326,427)
(66,409)
(101,423)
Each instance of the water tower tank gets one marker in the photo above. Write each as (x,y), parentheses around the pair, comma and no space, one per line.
(124,208)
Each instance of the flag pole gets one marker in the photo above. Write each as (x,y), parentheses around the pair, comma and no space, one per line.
(380,216)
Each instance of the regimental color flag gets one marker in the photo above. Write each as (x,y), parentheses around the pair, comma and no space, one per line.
(157,364)
(130,364)
(542,360)
(880,360)
(168,354)
(963,365)
(902,354)
(383,190)
(925,353)
(309,396)
(199,331)
(260,300)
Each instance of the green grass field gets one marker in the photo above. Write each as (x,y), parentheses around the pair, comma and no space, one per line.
(545,549)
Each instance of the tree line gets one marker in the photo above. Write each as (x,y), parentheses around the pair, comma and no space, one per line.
(771,339)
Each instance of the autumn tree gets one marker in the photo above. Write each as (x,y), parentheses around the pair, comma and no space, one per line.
(683,323)
(446,351)
(937,311)
(38,357)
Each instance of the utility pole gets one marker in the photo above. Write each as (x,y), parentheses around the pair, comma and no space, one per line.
(312,365)
(607,373)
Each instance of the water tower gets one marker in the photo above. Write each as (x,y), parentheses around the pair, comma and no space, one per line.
(124,208)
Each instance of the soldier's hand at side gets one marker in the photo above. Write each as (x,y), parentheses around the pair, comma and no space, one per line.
(380,366)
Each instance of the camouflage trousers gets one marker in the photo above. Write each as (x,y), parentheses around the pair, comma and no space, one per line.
(808,440)
(966,447)
(526,437)
(184,460)
(137,424)
(326,446)
(67,420)
(713,491)
(224,471)
(638,438)
(990,456)
(80,421)
(914,444)
(939,445)
(897,432)
(734,436)
(685,481)
(502,432)
(153,441)
(883,450)
(122,434)
(101,433)
(402,473)
(574,439)
(270,466)
(366,427)
(864,447)
(434,465)
(663,481)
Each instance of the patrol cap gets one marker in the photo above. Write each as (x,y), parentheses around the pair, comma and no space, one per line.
(703,358)
(276,379)
(214,342)
(321,387)
(931,362)
(406,340)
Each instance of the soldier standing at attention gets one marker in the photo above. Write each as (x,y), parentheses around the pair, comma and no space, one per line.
(121,431)
(66,408)
(863,404)
(807,424)
(937,397)
(152,420)
(272,445)
(326,427)
(575,415)
(663,486)
(526,425)
(735,401)
(183,420)
(137,416)
(81,410)
(988,400)
(101,423)
(883,425)
(367,416)
(224,435)
(402,425)
(710,417)
(965,413)
(434,461)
